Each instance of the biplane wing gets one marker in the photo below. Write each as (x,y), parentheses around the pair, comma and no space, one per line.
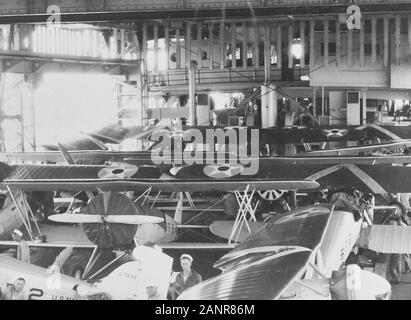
(79,156)
(301,159)
(391,133)
(131,177)
(284,135)
(266,264)
(97,157)
(378,179)
(113,134)
(359,149)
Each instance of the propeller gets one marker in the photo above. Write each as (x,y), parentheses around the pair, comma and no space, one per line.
(86,218)
(111,220)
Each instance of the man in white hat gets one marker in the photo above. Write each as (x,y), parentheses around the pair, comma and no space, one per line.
(186,278)
(23,251)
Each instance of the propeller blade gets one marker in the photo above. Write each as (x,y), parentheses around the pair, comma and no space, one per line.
(132,219)
(94,218)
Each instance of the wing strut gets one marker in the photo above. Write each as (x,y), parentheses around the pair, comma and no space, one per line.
(155,200)
(107,265)
(245,208)
(145,194)
(26,221)
(93,258)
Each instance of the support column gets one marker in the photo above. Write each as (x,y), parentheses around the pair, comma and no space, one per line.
(155,32)
(397,39)
(338,46)
(302,41)
(167,44)
(314,101)
(122,44)
(267,53)
(326,42)
(374,41)
(199,30)
(192,93)
(312,39)
(349,57)
(188,44)
(222,45)
(256,55)
(144,47)
(273,106)
(233,45)
(386,34)
(178,49)
(409,38)
(290,43)
(279,46)
(269,107)
(362,45)
(211,45)
(364,107)
(322,101)
(115,41)
(144,77)
(245,45)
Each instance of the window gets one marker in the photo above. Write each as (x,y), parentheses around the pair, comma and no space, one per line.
(368,49)
(332,48)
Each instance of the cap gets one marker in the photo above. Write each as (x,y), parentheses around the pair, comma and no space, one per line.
(186,256)
(18,232)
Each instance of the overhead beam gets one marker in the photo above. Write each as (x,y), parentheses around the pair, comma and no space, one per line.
(76,11)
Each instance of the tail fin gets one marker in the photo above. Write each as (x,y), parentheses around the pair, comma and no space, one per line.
(178,215)
(67,157)
(171,226)
(129,281)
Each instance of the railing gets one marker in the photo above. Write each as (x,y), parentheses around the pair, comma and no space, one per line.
(179,77)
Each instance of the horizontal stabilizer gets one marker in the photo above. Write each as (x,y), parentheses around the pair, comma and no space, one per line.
(387,238)
(94,218)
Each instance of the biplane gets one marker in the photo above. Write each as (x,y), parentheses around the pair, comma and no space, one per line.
(149,267)
(99,231)
(300,254)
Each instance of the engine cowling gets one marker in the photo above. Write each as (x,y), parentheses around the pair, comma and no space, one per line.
(353,283)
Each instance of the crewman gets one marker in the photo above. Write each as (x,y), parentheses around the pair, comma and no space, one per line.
(14,292)
(186,278)
(152,293)
(23,251)
(393,260)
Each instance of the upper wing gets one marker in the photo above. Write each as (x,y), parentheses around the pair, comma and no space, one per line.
(358,149)
(79,156)
(109,134)
(267,263)
(130,177)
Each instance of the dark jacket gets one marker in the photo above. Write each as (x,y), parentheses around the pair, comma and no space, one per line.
(179,285)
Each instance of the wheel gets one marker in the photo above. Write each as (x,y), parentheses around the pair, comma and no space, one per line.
(271,195)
